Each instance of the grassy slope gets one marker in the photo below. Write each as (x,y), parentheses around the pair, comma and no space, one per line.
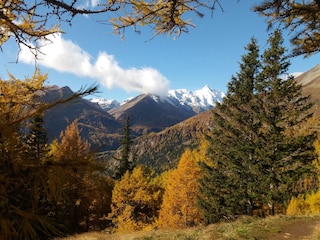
(244,228)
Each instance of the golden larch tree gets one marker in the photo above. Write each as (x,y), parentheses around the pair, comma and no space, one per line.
(179,207)
(135,201)
(76,173)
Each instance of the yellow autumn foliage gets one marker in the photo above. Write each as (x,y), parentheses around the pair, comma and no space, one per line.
(179,207)
(135,201)
(310,203)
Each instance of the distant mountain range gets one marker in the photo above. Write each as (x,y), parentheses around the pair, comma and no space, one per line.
(101,121)
(199,100)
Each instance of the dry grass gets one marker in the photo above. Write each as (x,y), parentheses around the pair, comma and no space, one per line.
(244,228)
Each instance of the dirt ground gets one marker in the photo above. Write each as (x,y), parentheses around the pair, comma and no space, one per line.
(298,230)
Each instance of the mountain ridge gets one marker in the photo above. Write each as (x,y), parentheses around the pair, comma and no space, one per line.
(103,128)
(199,100)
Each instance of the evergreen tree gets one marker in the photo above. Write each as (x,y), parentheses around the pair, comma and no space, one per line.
(37,138)
(287,156)
(256,155)
(124,162)
(228,180)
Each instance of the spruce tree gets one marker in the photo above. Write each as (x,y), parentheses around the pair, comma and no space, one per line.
(227,184)
(257,153)
(287,156)
(125,141)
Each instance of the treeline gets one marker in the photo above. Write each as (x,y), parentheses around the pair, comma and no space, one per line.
(260,158)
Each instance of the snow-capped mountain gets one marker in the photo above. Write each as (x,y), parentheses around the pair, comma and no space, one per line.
(106,104)
(198,100)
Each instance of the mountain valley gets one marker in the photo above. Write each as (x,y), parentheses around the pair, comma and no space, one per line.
(162,127)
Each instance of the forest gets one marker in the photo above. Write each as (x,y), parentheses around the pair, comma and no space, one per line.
(260,157)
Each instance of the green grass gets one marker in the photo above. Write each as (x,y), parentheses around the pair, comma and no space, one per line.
(245,228)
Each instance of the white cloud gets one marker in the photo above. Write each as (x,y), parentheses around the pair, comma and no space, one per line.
(95,3)
(65,56)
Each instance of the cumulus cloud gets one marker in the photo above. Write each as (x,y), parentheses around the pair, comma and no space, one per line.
(65,56)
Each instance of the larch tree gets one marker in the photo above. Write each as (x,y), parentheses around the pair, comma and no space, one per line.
(24,189)
(301,18)
(179,207)
(75,164)
(27,22)
(135,201)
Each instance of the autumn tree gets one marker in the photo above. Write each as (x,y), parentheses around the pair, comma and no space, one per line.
(24,177)
(301,18)
(179,207)
(76,167)
(135,201)
(28,22)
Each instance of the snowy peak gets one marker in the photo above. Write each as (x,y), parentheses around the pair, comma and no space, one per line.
(105,104)
(198,100)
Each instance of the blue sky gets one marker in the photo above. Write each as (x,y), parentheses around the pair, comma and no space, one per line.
(90,53)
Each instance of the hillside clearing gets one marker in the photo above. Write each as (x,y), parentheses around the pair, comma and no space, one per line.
(273,228)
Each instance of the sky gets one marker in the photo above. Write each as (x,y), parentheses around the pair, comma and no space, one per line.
(89,53)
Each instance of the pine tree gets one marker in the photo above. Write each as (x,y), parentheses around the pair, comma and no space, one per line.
(179,208)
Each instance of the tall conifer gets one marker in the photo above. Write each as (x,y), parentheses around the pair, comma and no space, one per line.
(229,179)
(286,156)
(125,141)
(257,157)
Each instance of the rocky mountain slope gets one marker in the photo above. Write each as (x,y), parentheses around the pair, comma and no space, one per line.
(310,81)
(97,125)
(162,150)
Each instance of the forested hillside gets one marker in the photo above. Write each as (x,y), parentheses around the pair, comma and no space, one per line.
(162,150)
